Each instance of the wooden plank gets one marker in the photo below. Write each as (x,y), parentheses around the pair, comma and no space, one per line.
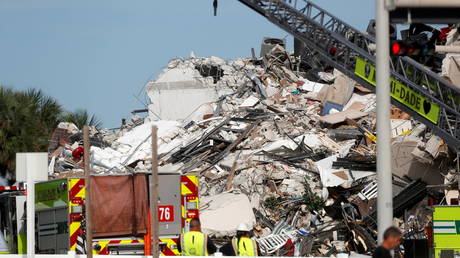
(89,221)
(340,117)
(154,194)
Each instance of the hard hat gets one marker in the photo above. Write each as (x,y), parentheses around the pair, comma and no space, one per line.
(242,227)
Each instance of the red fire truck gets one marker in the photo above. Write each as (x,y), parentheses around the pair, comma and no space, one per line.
(60,220)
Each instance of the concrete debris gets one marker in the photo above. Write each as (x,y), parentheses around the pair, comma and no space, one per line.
(400,127)
(271,146)
(451,62)
(222,213)
(70,127)
(340,117)
(340,92)
(249,102)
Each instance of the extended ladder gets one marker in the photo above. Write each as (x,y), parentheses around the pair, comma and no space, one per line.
(418,91)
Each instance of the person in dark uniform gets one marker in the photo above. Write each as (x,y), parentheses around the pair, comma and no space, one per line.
(391,240)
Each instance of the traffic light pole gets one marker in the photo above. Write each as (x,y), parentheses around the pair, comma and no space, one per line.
(384,173)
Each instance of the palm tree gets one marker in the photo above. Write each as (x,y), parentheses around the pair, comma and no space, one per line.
(27,120)
(81,118)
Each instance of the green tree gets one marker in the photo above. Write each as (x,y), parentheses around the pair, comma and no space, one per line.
(81,117)
(27,120)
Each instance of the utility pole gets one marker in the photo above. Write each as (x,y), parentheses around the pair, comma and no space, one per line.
(154,194)
(89,222)
(384,173)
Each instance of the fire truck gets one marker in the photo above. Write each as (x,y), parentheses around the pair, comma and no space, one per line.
(60,217)
(12,220)
(446,231)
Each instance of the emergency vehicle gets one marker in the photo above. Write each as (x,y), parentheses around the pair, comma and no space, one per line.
(60,204)
(12,220)
(446,231)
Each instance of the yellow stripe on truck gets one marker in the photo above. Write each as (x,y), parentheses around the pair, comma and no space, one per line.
(74,226)
(171,247)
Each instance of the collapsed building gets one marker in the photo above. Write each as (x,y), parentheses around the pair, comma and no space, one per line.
(289,152)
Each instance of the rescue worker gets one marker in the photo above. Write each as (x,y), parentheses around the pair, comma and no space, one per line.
(391,240)
(196,243)
(242,244)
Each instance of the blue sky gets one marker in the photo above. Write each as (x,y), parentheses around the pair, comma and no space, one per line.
(98,55)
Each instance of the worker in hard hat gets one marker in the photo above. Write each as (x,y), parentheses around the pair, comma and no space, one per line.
(242,244)
(195,242)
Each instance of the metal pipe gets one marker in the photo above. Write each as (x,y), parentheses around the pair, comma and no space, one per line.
(384,174)
(30,210)
(447,49)
(427,3)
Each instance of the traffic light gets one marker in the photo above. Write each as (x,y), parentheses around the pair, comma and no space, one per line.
(412,48)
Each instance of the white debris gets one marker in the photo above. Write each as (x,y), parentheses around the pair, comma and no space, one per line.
(250,102)
(222,213)
(331,177)
(135,144)
(400,126)
(71,127)
(312,86)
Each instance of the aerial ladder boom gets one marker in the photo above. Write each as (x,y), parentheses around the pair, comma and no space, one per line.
(415,89)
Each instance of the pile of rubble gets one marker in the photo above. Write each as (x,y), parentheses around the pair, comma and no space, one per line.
(290,153)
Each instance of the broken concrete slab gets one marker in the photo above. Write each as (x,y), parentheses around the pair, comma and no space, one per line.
(340,92)
(404,164)
(400,127)
(312,86)
(221,214)
(340,117)
(249,102)
(432,146)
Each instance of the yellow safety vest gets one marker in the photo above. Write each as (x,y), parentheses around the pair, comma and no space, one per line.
(194,243)
(244,246)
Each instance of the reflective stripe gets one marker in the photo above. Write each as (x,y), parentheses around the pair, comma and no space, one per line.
(104,245)
(444,224)
(445,230)
(170,249)
(244,246)
(194,243)
(76,189)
